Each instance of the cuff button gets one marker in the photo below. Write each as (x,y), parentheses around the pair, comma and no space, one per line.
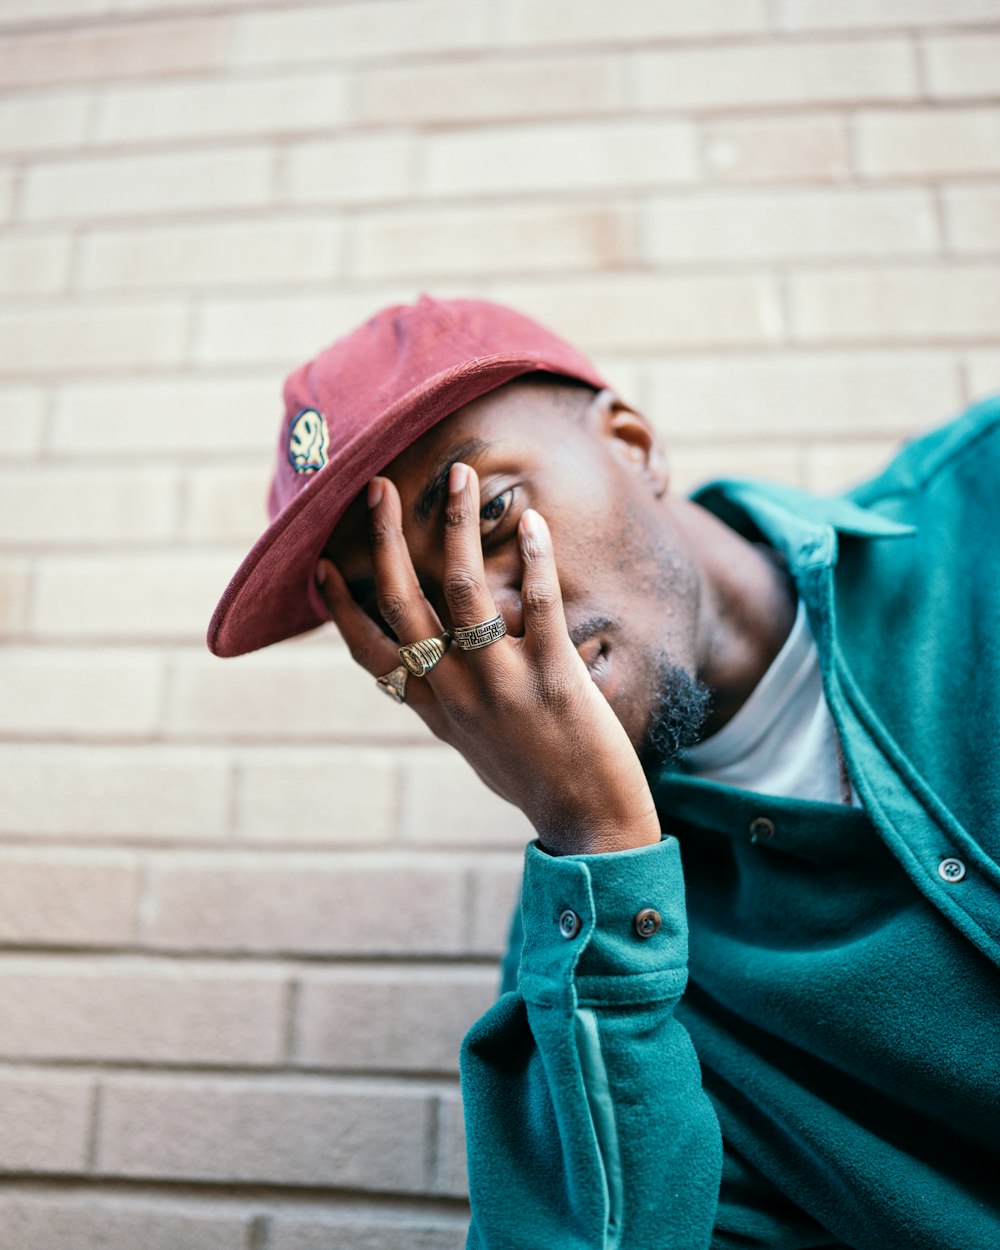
(647,922)
(569,923)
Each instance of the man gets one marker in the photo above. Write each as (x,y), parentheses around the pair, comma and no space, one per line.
(799,694)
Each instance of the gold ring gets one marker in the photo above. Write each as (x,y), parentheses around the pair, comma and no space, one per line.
(472,637)
(394,683)
(420,657)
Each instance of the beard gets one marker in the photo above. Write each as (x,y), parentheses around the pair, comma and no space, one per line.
(678,715)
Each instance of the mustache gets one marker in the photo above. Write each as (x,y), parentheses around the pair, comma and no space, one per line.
(581,631)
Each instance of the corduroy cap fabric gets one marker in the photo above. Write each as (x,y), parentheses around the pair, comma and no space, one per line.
(351,411)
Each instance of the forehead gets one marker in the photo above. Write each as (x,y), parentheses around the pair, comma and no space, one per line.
(522,425)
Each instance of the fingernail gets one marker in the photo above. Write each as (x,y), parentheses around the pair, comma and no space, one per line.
(322,572)
(457,478)
(532,525)
(375,488)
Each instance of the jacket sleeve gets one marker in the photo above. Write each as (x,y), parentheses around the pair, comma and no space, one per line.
(587,1125)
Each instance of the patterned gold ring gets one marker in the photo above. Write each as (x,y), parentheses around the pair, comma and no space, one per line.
(394,683)
(420,657)
(472,637)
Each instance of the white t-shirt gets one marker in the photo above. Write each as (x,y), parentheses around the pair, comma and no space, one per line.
(783,740)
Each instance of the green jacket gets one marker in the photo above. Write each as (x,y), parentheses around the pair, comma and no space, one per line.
(831,1075)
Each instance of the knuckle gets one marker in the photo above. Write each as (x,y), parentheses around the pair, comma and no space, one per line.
(462,589)
(392,609)
(380,532)
(539,597)
(459,714)
(456,514)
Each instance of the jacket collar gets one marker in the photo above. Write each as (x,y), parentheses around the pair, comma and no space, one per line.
(802,527)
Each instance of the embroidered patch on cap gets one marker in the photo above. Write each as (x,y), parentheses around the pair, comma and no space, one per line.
(308,441)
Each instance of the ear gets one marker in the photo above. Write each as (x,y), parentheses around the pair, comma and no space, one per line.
(633,438)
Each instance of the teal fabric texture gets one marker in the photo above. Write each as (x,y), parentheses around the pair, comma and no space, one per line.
(805,1052)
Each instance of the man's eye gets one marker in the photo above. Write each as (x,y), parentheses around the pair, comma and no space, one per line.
(492,513)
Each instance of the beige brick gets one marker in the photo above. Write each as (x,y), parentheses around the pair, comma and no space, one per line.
(289,692)
(43,123)
(831,72)
(792,224)
(62,898)
(589,21)
(420,1016)
(925,142)
(983,369)
(79,693)
(896,304)
(283,329)
(694,464)
(492,241)
(451,1177)
(972,218)
(962,66)
(633,313)
(129,597)
(137,793)
(139,1011)
(227,504)
(747,399)
(383,1230)
(292,1132)
(810,148)
(6,192)
(75,337)
(369,168)
(119,186)
(480,91)
(293,902)
(210,254)
(34,264)
(212,108)
(495,892)
(144,6)
(15,584)
(320,795)
(838,466)
(443,801)
(360,29)
(139,417)
(22,413)
(91,1222)
(12,12)
(820,15)
(69,506)
(103,53)
(606,155)
(45,1119)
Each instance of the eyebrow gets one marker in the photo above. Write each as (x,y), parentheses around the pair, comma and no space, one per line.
(430,497)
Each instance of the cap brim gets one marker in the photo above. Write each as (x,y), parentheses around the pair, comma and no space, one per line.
(273,594)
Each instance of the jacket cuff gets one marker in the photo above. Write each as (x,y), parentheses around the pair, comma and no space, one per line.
(603,929)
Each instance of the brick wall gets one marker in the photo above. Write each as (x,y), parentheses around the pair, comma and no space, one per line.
(247,909)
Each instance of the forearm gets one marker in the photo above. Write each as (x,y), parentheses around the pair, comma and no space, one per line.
(586,1119)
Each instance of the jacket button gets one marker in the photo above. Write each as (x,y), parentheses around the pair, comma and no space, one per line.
(951,870)
(647,922)
(569,923)
(761,829)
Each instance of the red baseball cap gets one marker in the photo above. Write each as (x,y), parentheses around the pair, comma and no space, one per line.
(351,411)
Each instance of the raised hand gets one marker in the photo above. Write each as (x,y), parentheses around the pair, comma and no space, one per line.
(522,710)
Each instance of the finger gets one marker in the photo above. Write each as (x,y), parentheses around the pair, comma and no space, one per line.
(545,630)
(401,602)
(366,642)
(465,589)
